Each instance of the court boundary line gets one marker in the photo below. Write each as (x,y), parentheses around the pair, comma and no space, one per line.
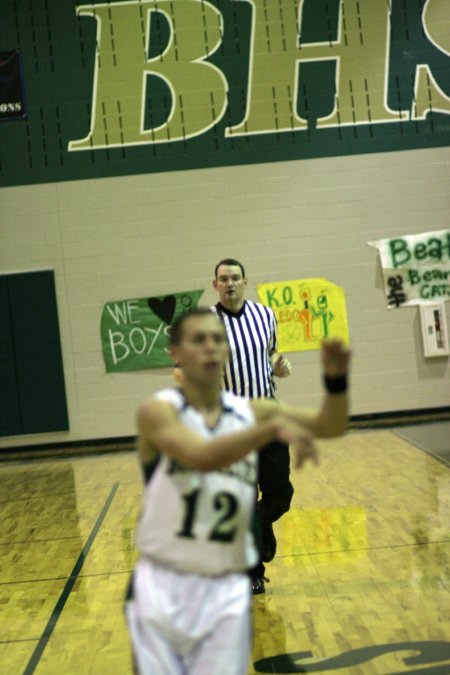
(65,593)
(80,576)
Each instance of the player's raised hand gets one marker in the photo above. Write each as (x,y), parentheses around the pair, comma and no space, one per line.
(335,357)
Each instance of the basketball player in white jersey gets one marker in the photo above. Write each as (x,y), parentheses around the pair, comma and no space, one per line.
(188,609)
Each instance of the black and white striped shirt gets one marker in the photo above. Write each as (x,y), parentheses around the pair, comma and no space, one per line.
(252,336)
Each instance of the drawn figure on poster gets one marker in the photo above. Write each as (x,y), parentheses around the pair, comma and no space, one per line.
(323,313)
(305,316)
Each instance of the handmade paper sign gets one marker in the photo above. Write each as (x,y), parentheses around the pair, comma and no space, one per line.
(135,333)
(307,310)
(416,268)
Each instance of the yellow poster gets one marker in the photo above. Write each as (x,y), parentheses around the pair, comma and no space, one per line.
(307,310)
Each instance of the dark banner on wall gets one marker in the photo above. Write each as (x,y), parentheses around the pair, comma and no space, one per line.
(12,103)
(118,88)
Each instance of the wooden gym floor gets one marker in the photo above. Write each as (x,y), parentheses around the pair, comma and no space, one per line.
(360,584)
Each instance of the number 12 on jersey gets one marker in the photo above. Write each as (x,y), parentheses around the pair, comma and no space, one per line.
(226,507)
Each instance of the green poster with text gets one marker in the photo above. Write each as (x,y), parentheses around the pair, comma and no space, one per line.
(135,333)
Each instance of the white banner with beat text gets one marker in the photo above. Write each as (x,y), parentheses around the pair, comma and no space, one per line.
(416,268)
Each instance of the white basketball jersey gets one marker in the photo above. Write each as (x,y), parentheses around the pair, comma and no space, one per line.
(198,521)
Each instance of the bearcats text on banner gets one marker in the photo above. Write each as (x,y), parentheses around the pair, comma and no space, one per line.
(416,268)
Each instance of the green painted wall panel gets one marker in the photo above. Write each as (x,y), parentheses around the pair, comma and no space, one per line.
(10,421)
(36,351)
(197,84)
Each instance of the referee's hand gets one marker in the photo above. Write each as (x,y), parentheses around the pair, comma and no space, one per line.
(281,367)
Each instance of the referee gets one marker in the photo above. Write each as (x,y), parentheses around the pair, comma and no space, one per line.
(252,334)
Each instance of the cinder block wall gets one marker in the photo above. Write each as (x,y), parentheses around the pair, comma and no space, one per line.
(118,238)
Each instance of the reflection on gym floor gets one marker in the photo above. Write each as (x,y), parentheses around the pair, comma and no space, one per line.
(360,584)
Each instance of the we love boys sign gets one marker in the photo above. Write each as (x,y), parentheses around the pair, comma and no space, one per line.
(135,333)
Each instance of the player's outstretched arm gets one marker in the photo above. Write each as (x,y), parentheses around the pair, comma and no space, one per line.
(160,430)
(331,418)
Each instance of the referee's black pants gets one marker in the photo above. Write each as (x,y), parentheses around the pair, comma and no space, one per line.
(275,494)
(273,482)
